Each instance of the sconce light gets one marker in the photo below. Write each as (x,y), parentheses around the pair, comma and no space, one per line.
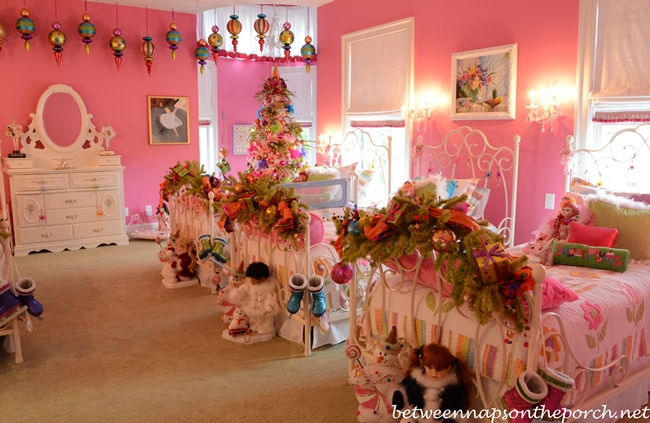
(330,151)
(548,108)
(421,113)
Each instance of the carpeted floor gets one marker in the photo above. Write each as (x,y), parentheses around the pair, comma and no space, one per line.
(117,346)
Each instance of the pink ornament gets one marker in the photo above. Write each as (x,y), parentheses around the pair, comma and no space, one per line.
(342,273)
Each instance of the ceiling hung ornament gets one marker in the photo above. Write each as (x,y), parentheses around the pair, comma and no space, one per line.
(173,37)
(261,26)
(117,43)
(215,40)
(86,29)
(308,51)
(202,53)
(147,48)
(287,38)
(234,28)
(25,26)
(56,37)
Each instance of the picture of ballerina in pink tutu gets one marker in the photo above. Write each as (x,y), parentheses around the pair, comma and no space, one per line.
(168,120)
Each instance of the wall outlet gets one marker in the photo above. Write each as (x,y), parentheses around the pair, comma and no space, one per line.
(148,210)
(549,201)
(126,211)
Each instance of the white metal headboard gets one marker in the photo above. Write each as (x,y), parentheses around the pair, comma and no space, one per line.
(467,145)
(628,149)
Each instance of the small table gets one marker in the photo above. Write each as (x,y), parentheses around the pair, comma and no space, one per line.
(9,327)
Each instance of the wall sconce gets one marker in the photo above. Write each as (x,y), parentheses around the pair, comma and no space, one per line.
(548,108)
(329,150)
(421,113)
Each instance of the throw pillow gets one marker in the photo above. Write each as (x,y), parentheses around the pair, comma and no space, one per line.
(477,202)
(592,235)
(554,294)
(316,228)
(344,171)
(589,256)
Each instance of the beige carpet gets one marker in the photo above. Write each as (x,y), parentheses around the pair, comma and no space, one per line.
(117,346)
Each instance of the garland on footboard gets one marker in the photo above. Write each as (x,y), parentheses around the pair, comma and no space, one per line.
(428,223)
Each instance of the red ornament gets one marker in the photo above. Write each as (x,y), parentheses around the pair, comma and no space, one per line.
(342,273)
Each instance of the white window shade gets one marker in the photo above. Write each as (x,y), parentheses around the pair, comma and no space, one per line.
(302,84)
(378,76)
(622,50)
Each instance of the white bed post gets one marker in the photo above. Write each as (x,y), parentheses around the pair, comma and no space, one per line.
(539,274)
(567,167)
(513,206)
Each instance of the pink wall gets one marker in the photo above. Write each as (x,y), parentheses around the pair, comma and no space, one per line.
(547,38)
(117,97)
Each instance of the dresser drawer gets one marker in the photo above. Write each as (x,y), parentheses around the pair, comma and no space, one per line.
(97,229)
(45,234)
(69,200)
(43,182)
(70,216)
(29,210)
(94,180)
(108,204)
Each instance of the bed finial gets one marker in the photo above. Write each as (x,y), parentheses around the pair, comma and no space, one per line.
(517,139)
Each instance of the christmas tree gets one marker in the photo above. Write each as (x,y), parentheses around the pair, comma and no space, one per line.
(276,148)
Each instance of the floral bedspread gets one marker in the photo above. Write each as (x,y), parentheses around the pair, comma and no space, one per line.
(607,321)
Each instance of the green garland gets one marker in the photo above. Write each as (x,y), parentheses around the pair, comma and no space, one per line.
(418,225)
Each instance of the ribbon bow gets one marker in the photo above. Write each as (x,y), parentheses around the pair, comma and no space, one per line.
(495,251)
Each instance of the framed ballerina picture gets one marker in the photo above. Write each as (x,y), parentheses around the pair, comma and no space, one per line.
(168,120)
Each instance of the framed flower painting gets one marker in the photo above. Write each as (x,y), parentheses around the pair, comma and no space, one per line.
(484,83)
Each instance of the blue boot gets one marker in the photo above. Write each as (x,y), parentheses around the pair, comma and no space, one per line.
(205,246)
(316,284)
(25,288)
(298,283)
(8,302)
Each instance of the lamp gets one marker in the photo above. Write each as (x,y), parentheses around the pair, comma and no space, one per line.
(421,113)
(548,108)
(329,150)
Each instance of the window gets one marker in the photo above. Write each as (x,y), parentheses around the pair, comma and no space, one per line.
(612,49)
(208,138)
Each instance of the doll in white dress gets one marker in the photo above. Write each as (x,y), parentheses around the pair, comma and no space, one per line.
(258,298)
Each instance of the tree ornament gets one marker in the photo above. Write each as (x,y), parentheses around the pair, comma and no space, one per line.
(56,37)
(173,38)
(286,38)
(215,40)
(442,239)
(3,33)
(202,53)
(342,273)
(26,27)
(87,31)
(308,51)
(234,28)
(148,49)
(261,26)
(117,44)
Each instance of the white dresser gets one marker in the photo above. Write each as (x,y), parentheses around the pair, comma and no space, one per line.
(79,203)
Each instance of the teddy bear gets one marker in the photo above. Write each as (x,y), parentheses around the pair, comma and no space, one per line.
(375,382)
(239,322)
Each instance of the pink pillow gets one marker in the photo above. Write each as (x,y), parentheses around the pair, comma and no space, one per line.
(592,235)
(316,228)
(428,275)
(554,293)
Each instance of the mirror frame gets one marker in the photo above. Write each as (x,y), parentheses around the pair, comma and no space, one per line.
(40,125)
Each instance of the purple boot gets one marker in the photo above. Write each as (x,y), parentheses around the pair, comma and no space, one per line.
(25,288)
(8,302)
(529,390)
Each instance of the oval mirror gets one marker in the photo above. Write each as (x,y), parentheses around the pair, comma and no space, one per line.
(62,119)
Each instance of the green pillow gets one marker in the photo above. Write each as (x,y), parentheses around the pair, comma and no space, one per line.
(633,226)
(587,256)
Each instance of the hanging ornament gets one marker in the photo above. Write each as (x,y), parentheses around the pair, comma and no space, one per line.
(147,48)
(25,26)
(442,239)
(215,40)
(173,37)
(117,43)
(286,38)
(261,26)
(87,31)
(234,28)
(3,32)
(342,273)
(202,53)
(307,52)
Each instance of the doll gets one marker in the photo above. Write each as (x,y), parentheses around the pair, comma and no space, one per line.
(258,298)
(375,382)
(557,229)
(436,380)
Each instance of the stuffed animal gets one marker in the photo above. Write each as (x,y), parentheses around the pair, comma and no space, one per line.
(239,322)
(179,260)
(375,382)
(258,298)
(436,380)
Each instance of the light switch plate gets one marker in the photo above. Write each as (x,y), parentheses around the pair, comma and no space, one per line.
(549,201)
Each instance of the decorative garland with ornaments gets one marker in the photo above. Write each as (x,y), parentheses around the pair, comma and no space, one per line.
(468,254)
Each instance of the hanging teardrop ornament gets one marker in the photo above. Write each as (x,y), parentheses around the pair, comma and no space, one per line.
(308,51)
(261,26)
(215,40)
(26,27)
(56,37)
(87,31)
(117,44)
(234,28)
(202,53)
(173,38)
(286,38)
(147,49)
